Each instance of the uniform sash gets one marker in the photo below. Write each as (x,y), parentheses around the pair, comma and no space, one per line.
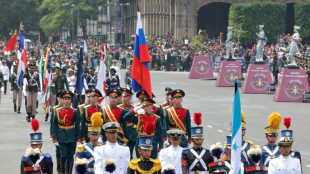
(177,121)
(271,154)
(113,119)
(198,158)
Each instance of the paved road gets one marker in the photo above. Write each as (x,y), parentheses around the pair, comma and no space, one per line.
(201,96)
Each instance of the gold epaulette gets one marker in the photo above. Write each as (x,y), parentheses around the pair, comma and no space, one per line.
(80,148)
(250,143)
(157,164)
(133,164)
(120,105)
(155,105)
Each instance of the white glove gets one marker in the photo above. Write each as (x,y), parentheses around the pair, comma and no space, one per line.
(100,140)
(2,89)
(11,94)
(56,144)
(83,142)
(137,108)
(78,143)
(141,111)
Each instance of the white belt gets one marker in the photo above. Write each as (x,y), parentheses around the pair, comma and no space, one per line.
(90,170)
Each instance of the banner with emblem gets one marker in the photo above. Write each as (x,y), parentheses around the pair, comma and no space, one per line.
(201,68)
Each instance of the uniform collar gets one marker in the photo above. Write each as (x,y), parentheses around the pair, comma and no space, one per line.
(271,147)
(111,144)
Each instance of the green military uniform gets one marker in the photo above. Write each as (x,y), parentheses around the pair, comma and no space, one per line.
(141,120)
(17,92)
(66,132)
(179,118)
(61,82)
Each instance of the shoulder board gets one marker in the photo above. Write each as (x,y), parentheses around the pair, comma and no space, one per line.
(56,106)
(47,157)
(122,144)
(73,108)
(86,106)
(185,108)
(120,105)
(156,116)
(185,151)
(81,105)
(166,107)
(80,148)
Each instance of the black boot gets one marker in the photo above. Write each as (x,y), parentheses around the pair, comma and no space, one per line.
(18,111)
(62,166)
(14,107)
(58,166)
(69,167)
(28,117)
(46,117)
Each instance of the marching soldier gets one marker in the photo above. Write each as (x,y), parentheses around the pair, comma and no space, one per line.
(85,152)
(61,82)
(143,119)
(167,103)
(132,133)
(33,86)
(34,161)
(88,110)
(113,81)
(172,154)
(145,163)
(271,150)
(196,159)
(285,163)
(17,91)
(66,132)
(51,129)
(71,84)
(178,117)
(113,113)
(111,150)
(81,106)
(255,155)
(91,79)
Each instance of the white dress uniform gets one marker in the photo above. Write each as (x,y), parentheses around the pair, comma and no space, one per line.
(71,83)
(172,155)
(6,72)
(120,154)
(284,165)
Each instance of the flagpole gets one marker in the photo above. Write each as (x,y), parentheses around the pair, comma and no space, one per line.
(138,10)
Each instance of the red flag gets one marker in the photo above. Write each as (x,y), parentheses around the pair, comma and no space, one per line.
(11,43)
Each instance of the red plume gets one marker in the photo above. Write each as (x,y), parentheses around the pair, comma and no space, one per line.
(35,124)
(149,128)
(197,118)
(287,122)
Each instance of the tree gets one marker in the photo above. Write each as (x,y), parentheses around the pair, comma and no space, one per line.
(250,15)
(302,18)
(14,12)
(63,13)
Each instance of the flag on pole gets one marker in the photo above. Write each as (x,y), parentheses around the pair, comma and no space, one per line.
(47,79)
(38,47)
(79,78)
(11,43)
(85,47)
(22,58)
(141,78)
(101,82)
(236,133)
(40,64)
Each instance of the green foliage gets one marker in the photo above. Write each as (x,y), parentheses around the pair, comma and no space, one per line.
(302,18)
(198,40)
(250,15)
(14,12)
(58,13)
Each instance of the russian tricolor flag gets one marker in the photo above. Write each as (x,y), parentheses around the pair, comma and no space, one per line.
(22,59)
(141,78)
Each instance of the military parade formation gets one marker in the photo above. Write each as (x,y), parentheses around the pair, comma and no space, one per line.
(122,137)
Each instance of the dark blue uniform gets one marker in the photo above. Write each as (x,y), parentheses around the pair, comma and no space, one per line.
(45,164)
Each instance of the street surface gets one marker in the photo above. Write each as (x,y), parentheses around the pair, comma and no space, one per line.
(201,96)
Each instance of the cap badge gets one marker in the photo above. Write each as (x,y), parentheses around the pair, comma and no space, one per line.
(148,141)
(287,134)
(95,129)
(35,137)
(257,168)
(273,129)
(219,163)
(198,131)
